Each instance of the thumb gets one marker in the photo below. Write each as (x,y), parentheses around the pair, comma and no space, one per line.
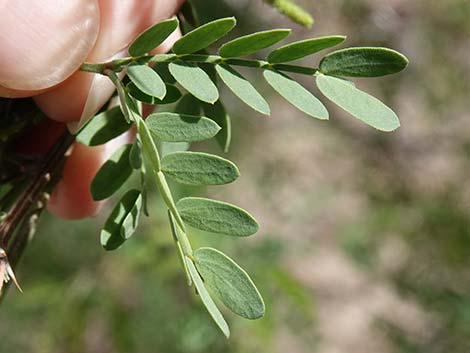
(44,42)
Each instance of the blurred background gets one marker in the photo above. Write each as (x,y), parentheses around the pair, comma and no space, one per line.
(365,238)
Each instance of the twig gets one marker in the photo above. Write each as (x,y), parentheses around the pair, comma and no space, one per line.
(35,188)
(22,219)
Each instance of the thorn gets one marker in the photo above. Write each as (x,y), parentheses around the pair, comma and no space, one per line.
(12,277)
(6,272)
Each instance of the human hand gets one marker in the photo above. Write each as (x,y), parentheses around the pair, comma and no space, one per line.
(43,44)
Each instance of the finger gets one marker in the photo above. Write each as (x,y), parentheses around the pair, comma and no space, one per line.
(121,21)
(44,42)
(15,93)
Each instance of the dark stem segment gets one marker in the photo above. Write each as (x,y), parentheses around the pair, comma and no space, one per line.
(22,219)
(38,184)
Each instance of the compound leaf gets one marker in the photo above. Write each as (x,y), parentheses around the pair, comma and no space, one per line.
(230,283)
(112,174)
(303,48)
(203,36)
(296,94)
(174,127)
(252,43)
(152,37)
(358,103)
(195,80)
(197,168)
(243,89)
(216,216)
(363,62)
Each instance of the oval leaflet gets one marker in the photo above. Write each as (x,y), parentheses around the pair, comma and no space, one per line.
(216,217)
(296,94)
(174,127)
(197,168)
(358,103)
(252,43)
(122,221)
(243,89)
(103,127)
(195,80)
(232,285)
(206,298)
(152,37)
(203,36)
(363,62)
(147,80)
(112,174)
(303,48)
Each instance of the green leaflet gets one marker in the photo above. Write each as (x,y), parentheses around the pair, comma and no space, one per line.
(103,128)
(147,80)
(243,89)
(252,43)
(216,217)
(195,80)
(174,127)
(172,94)
(358,103)
(303,48)
(152,37)
(296,94)
(363,62)
(218,113)
(232,285)
(135,154)
(122,221)
(112,174)
(203,36)
(197,168)
(206,298)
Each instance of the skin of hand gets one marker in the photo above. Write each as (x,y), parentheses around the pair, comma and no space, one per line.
(43,44)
